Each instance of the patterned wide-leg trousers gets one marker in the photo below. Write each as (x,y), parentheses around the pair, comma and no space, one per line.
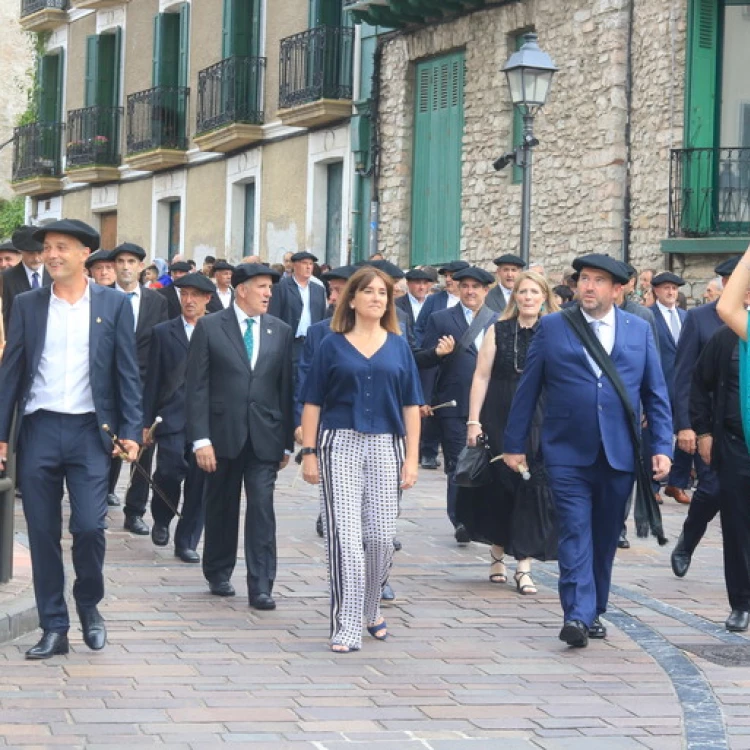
(360,480)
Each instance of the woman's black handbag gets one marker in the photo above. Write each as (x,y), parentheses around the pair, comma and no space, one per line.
(473,465)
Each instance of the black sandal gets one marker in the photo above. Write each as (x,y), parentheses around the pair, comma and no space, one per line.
(501,574)
(525,588)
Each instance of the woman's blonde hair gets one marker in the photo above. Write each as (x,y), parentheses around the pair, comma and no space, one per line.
(345,317)
(550,304)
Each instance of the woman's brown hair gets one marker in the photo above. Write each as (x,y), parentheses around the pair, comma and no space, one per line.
(345,317)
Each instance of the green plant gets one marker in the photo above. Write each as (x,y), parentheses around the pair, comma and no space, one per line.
(31,113)
(12,214)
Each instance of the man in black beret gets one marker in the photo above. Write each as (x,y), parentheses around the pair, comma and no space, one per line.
(439,301)
(10,256)
(165,396)
(172,294)
(101,268)
(508,268)
(240,421)
(149,309)
(223,279)
(26,275)
(449,378)
(418,282)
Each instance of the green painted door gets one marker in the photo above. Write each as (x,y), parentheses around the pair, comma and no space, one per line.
(436,186)
(241,85)
(248,239)
(48,144)
(102,90)
(334,197)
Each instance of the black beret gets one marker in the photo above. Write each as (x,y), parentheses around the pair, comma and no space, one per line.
(417,274)
(181,265)
(196,281)
(222,265)
(9,247)
(98,256)
(452,267)
(342,272)
(510,260)
(726,267)
(304,255)
(603,262)
(85,234)
(630,269)
(245,271)
(667,277)
(128,247)
(388,268)
(472,272)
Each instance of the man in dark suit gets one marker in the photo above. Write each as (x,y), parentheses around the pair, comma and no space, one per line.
(172,294)
(240,420)
(669,322)
(165,396)
(700,325)
(223,280)
(69,367)
(149,309)
(449,378)
(508,268)
(10,256)
(440,300)
(298,301)
(588,450)
(28,274)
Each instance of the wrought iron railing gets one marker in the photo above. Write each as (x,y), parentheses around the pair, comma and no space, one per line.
(93,136)
(34,6)
(709,192)
(316,64)
(231,91)
(37,149)
(157,118)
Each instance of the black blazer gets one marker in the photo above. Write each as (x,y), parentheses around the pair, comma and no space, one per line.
(164,389)
(113,370)
(403,304)
(229,402)
(15,282)
(286,302)
(153,310)
(174,310)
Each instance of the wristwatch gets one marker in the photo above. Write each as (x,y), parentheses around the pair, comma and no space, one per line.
(309,452)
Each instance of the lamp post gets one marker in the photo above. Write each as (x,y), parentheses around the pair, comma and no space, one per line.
(529,72)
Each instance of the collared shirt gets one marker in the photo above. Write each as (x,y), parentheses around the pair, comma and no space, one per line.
(668,317)
(189,328)
(135,300)
(30,274)
(469,315)
(506,293)
(416,305)
(305,320)
(242,316)
(62,383)
(606,328)
(453,300)
(225,297)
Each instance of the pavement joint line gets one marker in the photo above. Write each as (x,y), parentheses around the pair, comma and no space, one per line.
(703,721)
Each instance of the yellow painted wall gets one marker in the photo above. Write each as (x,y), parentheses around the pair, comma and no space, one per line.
(134,213)
(77,205)
(205,207)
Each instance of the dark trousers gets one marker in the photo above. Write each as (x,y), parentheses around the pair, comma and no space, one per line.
(590,502)
(223,517)
(734,481)
(114,475)
(136,498)
(704,505)
(54,449)
(429,438)
(453,439)
(175,464)
(679,476)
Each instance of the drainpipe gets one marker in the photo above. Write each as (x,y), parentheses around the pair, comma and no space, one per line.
(627,197)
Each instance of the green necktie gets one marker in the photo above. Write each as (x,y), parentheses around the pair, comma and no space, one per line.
(249,340)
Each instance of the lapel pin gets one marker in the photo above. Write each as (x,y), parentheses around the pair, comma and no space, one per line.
(268,331)
(98,320)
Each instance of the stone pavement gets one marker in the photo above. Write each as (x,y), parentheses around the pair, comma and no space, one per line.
(468,666)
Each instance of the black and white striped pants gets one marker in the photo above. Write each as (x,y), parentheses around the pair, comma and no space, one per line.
(360,481)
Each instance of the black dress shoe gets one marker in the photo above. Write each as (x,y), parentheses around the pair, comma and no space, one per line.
(397,545)
(319,526)
(112,500)
(135,525)
(262,601)
(597,629)
(187,555)
(430,463)
(622,543)
(738,621)
(575,634)
(387,594)
(51,644)
(221,588)
(462,534)
(160,535)
(680,558)
(94,631)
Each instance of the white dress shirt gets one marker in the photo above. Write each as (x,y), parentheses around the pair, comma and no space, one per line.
(135,300)
(62,384)
(305,320)
(672,317)
(453,300)
(225,297)
(506,293)
(416,305)
(469,315)
(30,274)
(189,328)
(606,335)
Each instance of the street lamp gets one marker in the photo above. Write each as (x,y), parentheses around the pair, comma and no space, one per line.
(529,72)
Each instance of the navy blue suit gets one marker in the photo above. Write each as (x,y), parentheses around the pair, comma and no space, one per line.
(57,448)
(587,447)
(434,303)
(450,380)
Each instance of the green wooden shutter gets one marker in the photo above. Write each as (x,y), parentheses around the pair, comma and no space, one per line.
(183,65)
(325,13)
(114,99)
(167,49)
(227,29)
(438,133)
(334,200)
(105,78)
(92,66)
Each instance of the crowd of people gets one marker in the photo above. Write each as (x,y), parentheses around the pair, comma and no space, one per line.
(582,395)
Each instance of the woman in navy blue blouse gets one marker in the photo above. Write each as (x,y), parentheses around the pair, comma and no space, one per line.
(360,432)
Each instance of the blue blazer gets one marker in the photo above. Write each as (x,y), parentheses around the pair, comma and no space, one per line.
(451,379)
(113,368)
(667,346)
(699,326)
(582,412)
(433,303)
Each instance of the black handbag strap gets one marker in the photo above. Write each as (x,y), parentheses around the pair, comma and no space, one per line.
(478,324)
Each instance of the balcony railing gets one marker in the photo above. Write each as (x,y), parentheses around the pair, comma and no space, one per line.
(709,192)
(34,6)
(231,91)
(37,149)
(156,119)
(94,136)
(316,64)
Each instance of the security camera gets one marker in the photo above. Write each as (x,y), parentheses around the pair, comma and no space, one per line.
(503,161)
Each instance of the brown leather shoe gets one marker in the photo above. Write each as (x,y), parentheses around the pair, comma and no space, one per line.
(679,495)
(658,498)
